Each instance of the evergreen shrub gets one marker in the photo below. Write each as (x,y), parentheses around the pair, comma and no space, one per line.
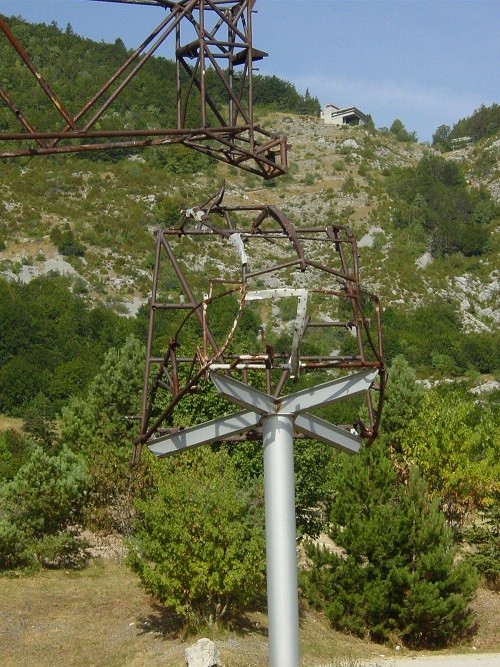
(395,575)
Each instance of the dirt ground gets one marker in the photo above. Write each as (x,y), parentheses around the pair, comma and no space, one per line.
(101,616)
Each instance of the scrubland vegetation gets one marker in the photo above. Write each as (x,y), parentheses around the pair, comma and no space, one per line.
(414,521)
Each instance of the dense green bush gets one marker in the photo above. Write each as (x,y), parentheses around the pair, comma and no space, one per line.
(431,335)
(400,132)
(395,576)
(455,442)
(434,196)
(52,341)
(484,536)
(39,508)
(65,241)
(95,426)
(198,542)
(484,122)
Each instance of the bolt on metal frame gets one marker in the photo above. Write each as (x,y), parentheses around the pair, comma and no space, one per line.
(222,31)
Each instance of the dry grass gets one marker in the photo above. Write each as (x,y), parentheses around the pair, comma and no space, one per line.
(101,616)
(7,423)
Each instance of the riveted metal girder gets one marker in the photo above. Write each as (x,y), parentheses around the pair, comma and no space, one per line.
(261,406)
(211,431)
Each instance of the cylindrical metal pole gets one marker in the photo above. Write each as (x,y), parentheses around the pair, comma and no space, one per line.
(281,551)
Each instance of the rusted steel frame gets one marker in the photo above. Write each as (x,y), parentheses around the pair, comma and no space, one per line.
(170,385)
(232,117)
(356,362)
(281,382)
(188,388)
(306,363)
(179,133)
(376,349)
(82,148)
(178,16)
(204,98)
(185,97)
(267,168)
(176,306)
(277,267)
(146,405)
(338,274)
(244,77)
(315,235)
(245,155)
(290,232)
(249,66)
(333,234)
(121,69)
(326,325)
(275,141)
(234,98)
(163,137)
(19,115)
(231,359)
(258,220)
(378,314)
(201,62)
(352,293)
(187,289)
(38,77)
(202,88)
(153,3)
(230,17)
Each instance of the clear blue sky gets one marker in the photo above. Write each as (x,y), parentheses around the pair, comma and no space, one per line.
(427,62)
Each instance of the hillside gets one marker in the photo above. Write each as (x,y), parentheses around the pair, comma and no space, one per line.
(111,207)
(406,522)
(93,217)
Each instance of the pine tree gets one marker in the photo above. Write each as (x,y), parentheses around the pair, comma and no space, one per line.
(396,576)
(95,426)
(39,508)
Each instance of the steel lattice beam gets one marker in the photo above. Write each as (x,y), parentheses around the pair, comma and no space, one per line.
(222,45)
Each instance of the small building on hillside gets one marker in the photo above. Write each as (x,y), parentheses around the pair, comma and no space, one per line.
(333,115)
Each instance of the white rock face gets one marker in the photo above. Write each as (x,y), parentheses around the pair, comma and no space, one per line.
(203,654)
(424,260)
(368,240)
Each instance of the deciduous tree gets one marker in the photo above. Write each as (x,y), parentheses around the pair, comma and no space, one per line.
(198,543)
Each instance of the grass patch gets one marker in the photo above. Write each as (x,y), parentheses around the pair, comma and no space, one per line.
(101,616)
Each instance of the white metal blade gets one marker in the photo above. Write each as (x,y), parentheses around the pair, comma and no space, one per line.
(241,394)
(195,436)
(321,430)
(329,392)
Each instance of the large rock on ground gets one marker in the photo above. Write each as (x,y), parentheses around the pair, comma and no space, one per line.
(203,654)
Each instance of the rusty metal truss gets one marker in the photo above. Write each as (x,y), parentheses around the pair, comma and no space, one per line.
(253,258)
(213,35)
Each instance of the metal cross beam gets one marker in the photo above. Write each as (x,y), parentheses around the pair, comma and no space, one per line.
(259,405)
(279,417)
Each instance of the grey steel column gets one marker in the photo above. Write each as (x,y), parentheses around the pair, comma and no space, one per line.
(281,550)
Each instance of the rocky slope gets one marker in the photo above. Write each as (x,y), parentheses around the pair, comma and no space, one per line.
(336,175)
